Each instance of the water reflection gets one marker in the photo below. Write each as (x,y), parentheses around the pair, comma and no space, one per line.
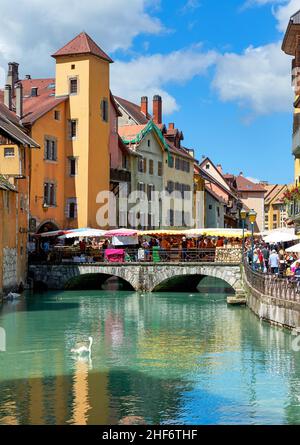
(165,358)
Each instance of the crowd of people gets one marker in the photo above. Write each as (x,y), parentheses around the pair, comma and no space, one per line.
(273,259)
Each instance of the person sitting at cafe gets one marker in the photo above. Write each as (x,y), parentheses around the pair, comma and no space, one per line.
(82,246)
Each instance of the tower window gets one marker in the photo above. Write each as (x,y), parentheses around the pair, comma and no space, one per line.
(72,67)
(73,124)
(57,115)
(104,110)
(73,85)
(72,166)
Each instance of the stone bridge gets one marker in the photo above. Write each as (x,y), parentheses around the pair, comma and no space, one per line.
(147,277)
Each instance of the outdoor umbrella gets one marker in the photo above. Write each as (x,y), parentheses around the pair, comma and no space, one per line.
(86,232)
(280,237)
(294,249)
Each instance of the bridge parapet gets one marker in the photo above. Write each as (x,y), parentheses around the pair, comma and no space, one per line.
(141,276)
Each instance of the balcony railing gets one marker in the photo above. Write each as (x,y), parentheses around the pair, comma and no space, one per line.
(117,175)
(287,288)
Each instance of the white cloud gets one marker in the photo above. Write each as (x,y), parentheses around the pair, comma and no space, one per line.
(148,75)
(283,13)
(30,30)
(258,79)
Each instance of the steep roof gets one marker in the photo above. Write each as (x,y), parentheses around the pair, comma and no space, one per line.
(245,185)
(15,131)
(82,44)
(133,110)
(274,193)
(293,29)
(35,107)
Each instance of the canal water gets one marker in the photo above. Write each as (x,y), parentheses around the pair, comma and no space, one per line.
(167,358)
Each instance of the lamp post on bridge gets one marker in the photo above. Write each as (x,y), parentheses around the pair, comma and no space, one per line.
(252,218)
(243,214)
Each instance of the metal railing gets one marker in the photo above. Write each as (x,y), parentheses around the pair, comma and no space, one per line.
(286,288)
(75,255)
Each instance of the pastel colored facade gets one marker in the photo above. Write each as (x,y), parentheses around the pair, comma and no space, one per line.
(275,209)
(177,163)
(15,150)
(199,200)
(221,192)
(214,210)
(291,46)
(69,116)
(252,196)
(147,165)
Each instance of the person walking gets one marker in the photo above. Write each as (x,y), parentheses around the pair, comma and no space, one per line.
(274,262)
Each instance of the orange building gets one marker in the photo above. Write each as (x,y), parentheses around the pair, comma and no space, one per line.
(15,148)
(69,117)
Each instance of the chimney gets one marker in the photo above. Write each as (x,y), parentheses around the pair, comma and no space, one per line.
(12,75)
(241,174)
(157,110)
(171,126)
(8,97)
(34,91)
(28,77)
(144,105)
(219,167)
(19,100)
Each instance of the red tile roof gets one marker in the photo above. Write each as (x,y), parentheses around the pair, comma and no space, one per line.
(245,185)
(36,106)
(82,44)
(133,110)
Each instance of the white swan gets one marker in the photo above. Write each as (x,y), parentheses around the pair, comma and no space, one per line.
(83,349)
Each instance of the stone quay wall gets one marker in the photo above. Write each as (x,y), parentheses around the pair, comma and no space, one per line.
(276,311)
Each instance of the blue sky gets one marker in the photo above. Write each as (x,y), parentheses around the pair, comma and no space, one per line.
(223,78)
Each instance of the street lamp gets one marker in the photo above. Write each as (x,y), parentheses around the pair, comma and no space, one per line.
(252,218)
(243,214)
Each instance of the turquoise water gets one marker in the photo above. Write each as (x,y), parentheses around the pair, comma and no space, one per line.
(168,358)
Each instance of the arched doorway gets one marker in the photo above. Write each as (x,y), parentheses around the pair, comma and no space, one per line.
(47,226)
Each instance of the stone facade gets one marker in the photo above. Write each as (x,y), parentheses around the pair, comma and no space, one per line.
(142,277)
(10,280)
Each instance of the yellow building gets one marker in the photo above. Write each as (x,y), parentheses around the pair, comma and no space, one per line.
(291,46)
(275,208)
(69,117)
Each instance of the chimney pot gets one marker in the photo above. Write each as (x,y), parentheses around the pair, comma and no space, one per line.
(28,77)
(34,91)
(19,100)
(171,126)
(157,109)
(144,105)
(12,75)
(8,96)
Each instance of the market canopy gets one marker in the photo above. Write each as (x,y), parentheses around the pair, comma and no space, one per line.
(53,233)
(280,237)
(85,233)
(120,232)
(226,233)
(294,249)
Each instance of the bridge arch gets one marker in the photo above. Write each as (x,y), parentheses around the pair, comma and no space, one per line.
(180,279)
(95,281)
